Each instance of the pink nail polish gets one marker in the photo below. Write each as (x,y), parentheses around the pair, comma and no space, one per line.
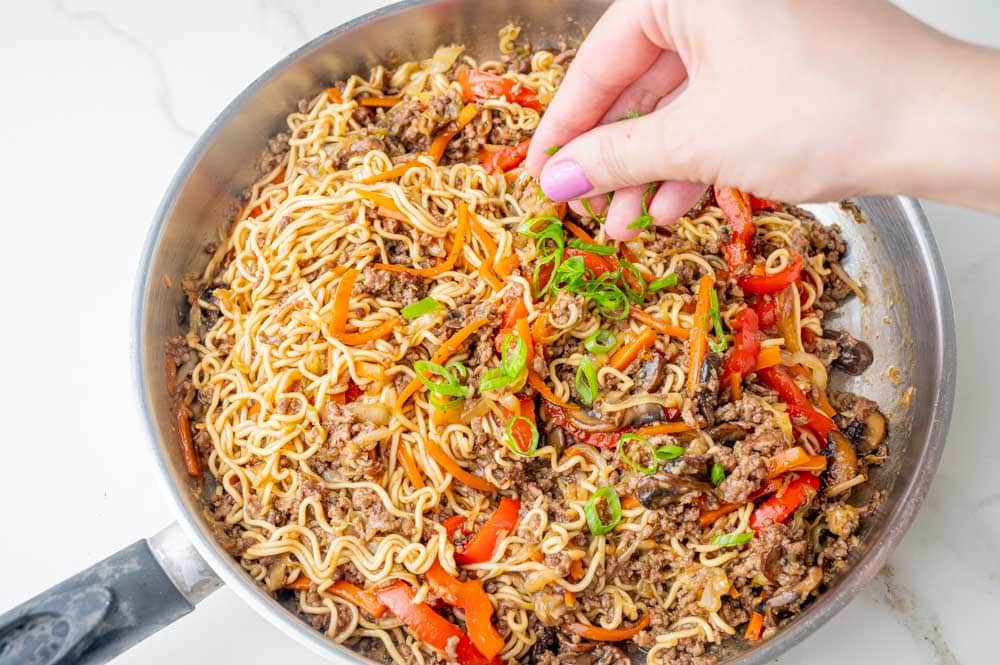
(564,180)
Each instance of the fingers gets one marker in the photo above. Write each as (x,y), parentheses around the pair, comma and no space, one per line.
(625,208)
(621,154)
(673,200)
(598,205)
(617,52)
(651,90)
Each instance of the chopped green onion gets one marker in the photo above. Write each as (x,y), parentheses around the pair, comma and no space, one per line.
(512,442)
(495,379)
(460,370)
(600,341)
(526,227)
(732,539)
(713,312)
(513,361)
(541,194)
(610,196)
(667,453)
(602,250)
(590,211)
(419,308)
(597,526)
(645,219)
(586,381)
(648,470)
(449,386)
(631,114)
(552,149)
(718,474)
(538,290)
(442,404)
(635,296)
(609,300)
(666,282)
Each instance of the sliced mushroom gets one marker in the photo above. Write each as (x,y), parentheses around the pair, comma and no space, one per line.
(659,489)
(843,459)
(555,438)
(643,414)
(652,373)
(783,599)
(770,563)
(810,582)
(875,429)
(589,423)
(546,642)
(707,395)
(728,432)
(854,356)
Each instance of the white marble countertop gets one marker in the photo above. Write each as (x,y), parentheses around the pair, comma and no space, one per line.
(101,101)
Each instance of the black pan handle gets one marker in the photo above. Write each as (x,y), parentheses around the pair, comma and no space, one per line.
(100,612)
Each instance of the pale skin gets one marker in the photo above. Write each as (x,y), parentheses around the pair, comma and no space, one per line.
(796,100)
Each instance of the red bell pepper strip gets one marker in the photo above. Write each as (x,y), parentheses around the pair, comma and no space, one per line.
(478,609)
(429,626)
(521,430)
(779,507)
(453,524)
(746,347)
(483,85)
(761,284)
(758,203)
(506,158)
(481,546)
(766,310)
(595,262)
(779,380)
(736,207)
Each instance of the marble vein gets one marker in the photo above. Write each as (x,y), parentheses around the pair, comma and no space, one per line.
(920,624)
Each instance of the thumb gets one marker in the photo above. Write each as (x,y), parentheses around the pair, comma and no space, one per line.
(630,152)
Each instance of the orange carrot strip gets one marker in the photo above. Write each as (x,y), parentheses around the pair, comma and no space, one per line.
(385,102)
(664,428)
(708,517)
(630,502)
(538,383)
(490,248)
(768,357)
(366,600)
(191,461)
(392,174)
(410,466)
(755,628)
(657,325)
(505,266)
(341,309)
(378,332)
(736,386)
(441,141)
(458,244)
(452,467)
(569,598)
(629,352)
(698,345)
(446,351)
(599,634)
(393,214)
(334,96)
(821,401)
(786,460)
(300,583)
(378,199)
(579,232)
(576,570)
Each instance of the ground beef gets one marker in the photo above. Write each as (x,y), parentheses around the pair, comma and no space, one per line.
(277,148)
(401,288)
(411,124)
(750,469)
(376,518)
(346,455)
(358,148)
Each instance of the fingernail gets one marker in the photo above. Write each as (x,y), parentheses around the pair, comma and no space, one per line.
(564,180)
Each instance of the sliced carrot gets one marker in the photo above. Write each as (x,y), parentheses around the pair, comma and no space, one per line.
(441,141)
(538,383)
(794,459)
(755,627)
(698,345)
(630,502)
(457,245)
(708,517)
(599,634)
(334,96)
(452,467)
(736,386)
(410,466)
(490,249)
(569,598)
(576,570)
(630,351)
(579,232)
(300,583)
(394,214)
(505,266)
(378,199)
(385,102)
(341,310)
(659,326)
(768,357)
(664,428)
(355,595)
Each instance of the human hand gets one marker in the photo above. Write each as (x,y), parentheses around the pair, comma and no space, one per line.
(797,100)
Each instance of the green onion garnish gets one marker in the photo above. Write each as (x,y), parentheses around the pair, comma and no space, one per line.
(732,539)
(552,149)
(667,453)
(623,454)
(513,361)
(600,341)
(441,403)
(586,381)
(570,274)
(645,219)
(419,308)
(603,250)
(456,366)
(718,474)
(716,316)
(512,441)
(449,385)
(666,282)
(541,194)
(636,296)
(590,211)
(630,114)
(495,379)
(597,526)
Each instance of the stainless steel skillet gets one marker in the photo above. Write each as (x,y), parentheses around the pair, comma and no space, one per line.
(100,612)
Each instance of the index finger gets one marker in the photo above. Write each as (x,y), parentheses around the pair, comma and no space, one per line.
(617,51)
